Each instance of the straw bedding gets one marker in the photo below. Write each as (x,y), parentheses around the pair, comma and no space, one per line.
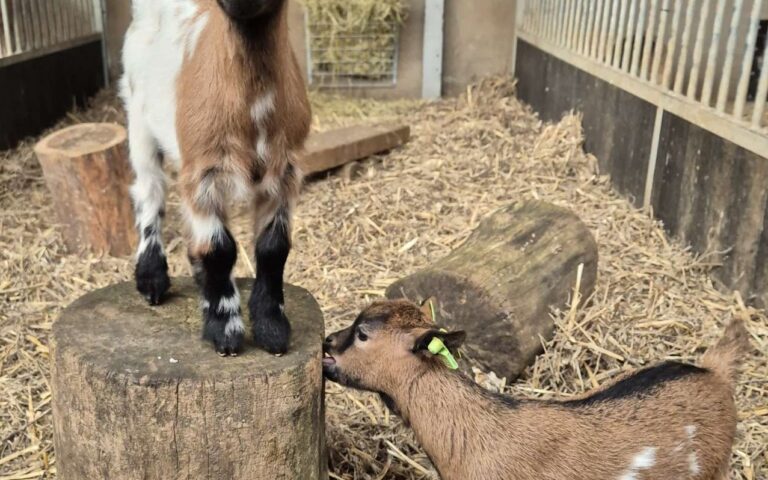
(359,229)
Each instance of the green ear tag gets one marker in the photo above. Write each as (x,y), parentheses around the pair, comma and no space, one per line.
(437,347)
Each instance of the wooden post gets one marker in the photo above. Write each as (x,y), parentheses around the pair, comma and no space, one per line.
(88,174)
(501,283)
(138,395)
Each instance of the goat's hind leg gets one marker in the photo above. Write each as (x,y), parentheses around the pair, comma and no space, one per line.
(148,192)
(213,253)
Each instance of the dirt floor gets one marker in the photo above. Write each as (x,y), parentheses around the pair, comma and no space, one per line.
(362,227)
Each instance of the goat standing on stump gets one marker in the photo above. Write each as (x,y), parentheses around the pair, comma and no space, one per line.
(672,421)
(214,87)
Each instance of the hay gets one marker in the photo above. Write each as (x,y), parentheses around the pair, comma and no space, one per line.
(353,39)
(386,218)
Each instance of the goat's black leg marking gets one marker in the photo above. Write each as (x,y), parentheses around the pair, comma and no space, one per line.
(271,330)
(151,271)
(222,319)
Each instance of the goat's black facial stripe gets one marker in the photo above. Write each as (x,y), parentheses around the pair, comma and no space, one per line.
(640,384)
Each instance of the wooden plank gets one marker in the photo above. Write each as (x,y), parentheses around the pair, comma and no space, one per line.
(327,150)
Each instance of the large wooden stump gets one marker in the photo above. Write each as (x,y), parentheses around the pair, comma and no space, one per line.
(138,395)
(87,170)
(501,283)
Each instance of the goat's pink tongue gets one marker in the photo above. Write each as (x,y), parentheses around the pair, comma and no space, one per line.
(329,361)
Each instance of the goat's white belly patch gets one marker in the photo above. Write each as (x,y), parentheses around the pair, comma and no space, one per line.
(161,35)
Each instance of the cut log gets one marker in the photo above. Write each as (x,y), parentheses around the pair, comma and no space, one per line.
(87,171)
(501,283)
(138,395)
(334,148)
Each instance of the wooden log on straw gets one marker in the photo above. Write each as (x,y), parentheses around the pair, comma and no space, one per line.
(88,174)
(502,283)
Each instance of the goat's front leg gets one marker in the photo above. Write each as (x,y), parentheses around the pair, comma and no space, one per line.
(148,192)
(271,330)
(213,253)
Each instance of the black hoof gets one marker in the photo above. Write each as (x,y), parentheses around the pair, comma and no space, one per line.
(271,330)
(152,279)
(226,333)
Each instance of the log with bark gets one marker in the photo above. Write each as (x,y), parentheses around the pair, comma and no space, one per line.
(501,284)
(138,395)
(87,171)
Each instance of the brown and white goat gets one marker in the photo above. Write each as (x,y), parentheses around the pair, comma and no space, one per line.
(672,421)
(213,86)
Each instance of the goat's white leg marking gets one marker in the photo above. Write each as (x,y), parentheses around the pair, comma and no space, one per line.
(148,190)
(644,460)
(260,111)
(205,228)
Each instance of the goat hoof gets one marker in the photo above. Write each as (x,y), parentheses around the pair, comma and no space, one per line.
(152,279)
(271,332)
(226,333)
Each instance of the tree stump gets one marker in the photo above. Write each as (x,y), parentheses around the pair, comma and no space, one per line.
(501,283)
(87,171)
(138,395)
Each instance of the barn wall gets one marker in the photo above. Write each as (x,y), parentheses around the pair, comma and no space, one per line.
(479,38)
(710,193)
(36,91)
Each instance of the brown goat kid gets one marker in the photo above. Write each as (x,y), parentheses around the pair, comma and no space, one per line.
(671,421)
(213,87)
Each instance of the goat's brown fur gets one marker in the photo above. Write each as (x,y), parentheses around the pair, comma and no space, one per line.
(218,85)
(674,422)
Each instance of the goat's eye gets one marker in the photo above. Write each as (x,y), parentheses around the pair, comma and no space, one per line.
(361,336)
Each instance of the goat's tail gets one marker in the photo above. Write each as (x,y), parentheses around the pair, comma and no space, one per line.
(724,358)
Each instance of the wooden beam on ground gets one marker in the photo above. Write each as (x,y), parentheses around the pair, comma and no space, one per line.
(334,148)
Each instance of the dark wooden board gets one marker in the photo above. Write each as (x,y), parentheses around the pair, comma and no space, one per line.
(617,125)
(36,93)
(713,195)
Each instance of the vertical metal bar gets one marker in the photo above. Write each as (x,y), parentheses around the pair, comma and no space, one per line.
(683,63)
(550,13)
(658,48)
(562,25)
(638,46)
(16,9)
(698,50)
(590,28)
(593,47)
(37,36)
(612,31)
(725,76)
(583,21)
(27,18)
(749,55)
(6,27)
(580,25)
(432,65)
(709,74)
(762,91)
(626,52)
(672,45)
(571,20)
(604,31)
(648,40)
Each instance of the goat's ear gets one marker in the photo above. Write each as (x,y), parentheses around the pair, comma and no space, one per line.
(428,307)
(452,340)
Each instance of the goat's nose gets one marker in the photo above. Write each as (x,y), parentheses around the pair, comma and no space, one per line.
(328,343)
